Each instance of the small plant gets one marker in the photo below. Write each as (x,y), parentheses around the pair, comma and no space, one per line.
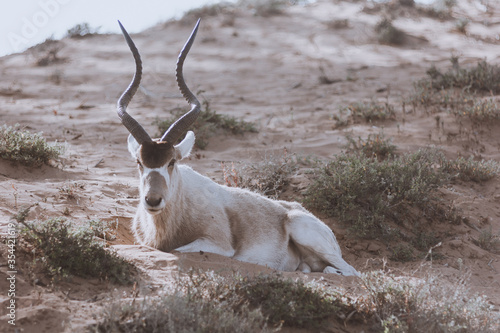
(402,253)
(27,148)
(65,250)
(70,190)
(208,123)
(269,177)
(388,33)
(488,240)
(370,111)
(376,145)
(81,30)
(470,169)
(461,25)
(266,8)
(478,110)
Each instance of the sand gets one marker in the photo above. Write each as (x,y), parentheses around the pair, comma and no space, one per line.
(262,69)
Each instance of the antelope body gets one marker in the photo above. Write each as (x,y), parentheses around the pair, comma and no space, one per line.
(182,210)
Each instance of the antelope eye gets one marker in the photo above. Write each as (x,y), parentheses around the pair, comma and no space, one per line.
(171,164)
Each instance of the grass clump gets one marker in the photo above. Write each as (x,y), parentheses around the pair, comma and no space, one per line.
(407,304)
(488,240)
(269,177)
(470,169)
(370,111)
(81,30)
(27,148)
(366,193)
(65,250)
(388,33)
(287,302)
(483,77)
(478,110)
(206,302)
(208,123)
(376,145)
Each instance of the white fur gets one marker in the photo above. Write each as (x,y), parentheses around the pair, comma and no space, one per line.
(198,214)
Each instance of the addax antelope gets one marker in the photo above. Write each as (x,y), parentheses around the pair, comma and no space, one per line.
(181,210)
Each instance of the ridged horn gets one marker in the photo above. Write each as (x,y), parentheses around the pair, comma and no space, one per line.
(137,131)
(182,124)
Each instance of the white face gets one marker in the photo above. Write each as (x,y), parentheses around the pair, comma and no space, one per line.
(159,176)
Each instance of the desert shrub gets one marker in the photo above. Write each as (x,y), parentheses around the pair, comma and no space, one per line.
(483,77)
(266,8)
(63,250)
(388,33)
(376,145)
(371,111)
(27,148)
(478,110)
(470,169)
(365,193)
(488,240)
(208,123)
(461,25)
(292,303)
(269,177)
(206,302)
(402,253)
(81,30)
(407,304)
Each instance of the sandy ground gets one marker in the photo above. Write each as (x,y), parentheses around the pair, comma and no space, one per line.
(262,69)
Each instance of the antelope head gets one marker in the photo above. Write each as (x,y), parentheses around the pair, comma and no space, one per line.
(156,158)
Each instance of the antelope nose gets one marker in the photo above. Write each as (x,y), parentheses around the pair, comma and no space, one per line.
(153,201)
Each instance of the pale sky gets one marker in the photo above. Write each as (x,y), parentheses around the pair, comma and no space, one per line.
(24,23)
(28,22)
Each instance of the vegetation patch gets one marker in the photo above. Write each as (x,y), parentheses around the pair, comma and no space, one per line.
(63,250)
(366,193)
(470,169)
(208,123)
(370,112)
(407,304)
(82,30)
(388,33)
(269,177)
(27,148)
(483,77)
(206,302)
(376,145)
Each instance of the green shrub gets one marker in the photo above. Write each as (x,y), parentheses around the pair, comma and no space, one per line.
(369,111)
(483,77)
(269,177)
(469,169)
(206,302)
(407,304)
(376,145)
(208,123)
(366,193)
(27,148)
(65,250)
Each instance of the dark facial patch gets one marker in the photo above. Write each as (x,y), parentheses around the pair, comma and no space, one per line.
(156,154)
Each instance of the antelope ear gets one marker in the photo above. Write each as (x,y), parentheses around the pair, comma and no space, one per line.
(133,146)
(183,149)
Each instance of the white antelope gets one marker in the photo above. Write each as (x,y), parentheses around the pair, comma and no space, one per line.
(181,210)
